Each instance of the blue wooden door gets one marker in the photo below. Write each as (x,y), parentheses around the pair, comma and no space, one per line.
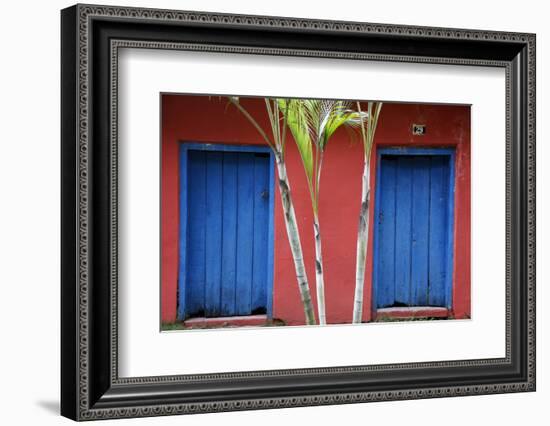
(227,233)
(413,229)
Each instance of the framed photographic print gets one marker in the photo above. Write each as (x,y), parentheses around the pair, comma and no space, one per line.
(263,212)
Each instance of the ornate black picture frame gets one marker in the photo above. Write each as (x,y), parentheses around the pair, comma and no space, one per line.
(91,36)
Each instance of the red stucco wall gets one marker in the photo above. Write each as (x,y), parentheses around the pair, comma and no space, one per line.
(204,119)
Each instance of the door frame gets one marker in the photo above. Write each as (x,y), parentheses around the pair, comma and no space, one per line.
(185,147)
(412,151)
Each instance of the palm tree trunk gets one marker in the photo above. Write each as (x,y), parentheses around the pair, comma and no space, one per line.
(294,241)
(319,277)
(362,244)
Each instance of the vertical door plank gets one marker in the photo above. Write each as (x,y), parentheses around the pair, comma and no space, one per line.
(438,229)
(196,232)
(261,223)
(403,203)
(386,233)
(229,238)
(420,230)
(213,233)
(245,233)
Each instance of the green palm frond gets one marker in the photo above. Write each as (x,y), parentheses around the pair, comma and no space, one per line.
(312,123)
(342,116)
(324,117)
(368,131)
(297,122)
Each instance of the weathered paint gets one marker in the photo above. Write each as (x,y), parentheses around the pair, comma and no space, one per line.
(412,312)
(413,228)
(241,321)
(224,244)
(204,120)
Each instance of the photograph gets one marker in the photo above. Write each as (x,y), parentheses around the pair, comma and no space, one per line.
(300,212)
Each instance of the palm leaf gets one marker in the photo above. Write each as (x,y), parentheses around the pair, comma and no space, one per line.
(324,117)
(296,121)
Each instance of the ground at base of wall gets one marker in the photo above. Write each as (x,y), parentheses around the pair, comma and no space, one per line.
(393,319)
(262,321)
(413,313)
(223,322)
